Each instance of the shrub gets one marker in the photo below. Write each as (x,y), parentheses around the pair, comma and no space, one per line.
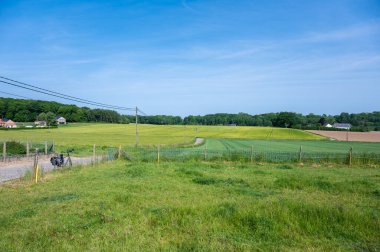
(14,148)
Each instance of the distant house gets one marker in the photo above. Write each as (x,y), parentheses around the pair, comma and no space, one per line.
(5,123)
(327,125)
(345,126)
(232,124)
(60,120)
(40,123)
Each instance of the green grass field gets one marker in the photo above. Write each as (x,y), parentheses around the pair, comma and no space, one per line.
(199,206)
(116,134)
(325,146)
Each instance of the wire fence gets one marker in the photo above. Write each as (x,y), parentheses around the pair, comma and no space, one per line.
(14,151)
(157,154)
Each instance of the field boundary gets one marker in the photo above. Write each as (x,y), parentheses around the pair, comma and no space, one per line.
(157,154)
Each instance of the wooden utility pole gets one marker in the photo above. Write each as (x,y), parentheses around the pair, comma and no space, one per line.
(137,134)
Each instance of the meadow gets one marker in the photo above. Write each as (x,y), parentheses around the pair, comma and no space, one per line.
(193,206)
(124,134)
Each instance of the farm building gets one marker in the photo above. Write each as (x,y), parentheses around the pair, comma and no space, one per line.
(346,126)
(327,125)
(7,123)
(60,120)
(40,123)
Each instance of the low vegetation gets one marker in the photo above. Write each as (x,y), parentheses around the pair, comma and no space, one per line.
(194,206)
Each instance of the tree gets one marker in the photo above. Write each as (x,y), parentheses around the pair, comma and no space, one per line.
(286,119)
(42,117)
(50,119)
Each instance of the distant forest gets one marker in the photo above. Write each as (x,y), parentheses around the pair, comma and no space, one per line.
(20,110)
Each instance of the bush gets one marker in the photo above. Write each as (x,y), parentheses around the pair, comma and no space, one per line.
(14,148)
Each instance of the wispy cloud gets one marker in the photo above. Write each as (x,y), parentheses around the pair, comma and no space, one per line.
(353,32)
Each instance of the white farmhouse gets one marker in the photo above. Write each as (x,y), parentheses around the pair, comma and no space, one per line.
(60,120)
(345,126)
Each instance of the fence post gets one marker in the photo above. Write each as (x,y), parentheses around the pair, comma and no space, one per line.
(46,147)
(53,149)
(119,153)
(94,154)
(350,157)
(300,154)
(158,153)
(4,151)
(205,152)
(252,154)
(36,166)
(27,148)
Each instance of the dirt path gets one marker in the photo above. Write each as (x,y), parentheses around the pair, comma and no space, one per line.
(199,141)
(15,170)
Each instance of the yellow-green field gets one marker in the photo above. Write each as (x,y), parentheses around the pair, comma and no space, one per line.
(116,134)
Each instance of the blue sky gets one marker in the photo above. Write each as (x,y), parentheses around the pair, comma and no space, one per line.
(197,56)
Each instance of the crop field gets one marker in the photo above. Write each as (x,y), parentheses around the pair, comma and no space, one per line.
(199,206)
(324,146)
(116,134)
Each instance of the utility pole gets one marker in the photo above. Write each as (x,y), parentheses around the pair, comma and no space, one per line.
(137,134)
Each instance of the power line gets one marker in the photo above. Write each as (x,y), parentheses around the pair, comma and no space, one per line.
(59,95)
(142,112)
(15,95)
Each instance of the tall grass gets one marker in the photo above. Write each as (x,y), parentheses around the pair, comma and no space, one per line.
(194,206)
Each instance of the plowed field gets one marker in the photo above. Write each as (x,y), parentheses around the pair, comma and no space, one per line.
(373,136)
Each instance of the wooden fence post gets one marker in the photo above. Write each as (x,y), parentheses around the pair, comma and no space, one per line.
(46,147)
(4,151)
(350,157)
(27,148)
(119,152)
(300,154)
(252,154)
(36,168)
(94,154)
(158,153)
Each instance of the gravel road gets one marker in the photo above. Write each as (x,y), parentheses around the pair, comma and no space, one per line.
(17,169)
(199,141)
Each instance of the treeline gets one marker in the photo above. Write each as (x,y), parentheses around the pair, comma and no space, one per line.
(20,110)
(360,122)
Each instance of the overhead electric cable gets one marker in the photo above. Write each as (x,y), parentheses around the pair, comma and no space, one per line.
(60,95)
(142,112)
(15,95)
(66,97)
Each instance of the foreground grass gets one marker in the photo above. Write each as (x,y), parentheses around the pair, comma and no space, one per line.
(193,206)
(116,134)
